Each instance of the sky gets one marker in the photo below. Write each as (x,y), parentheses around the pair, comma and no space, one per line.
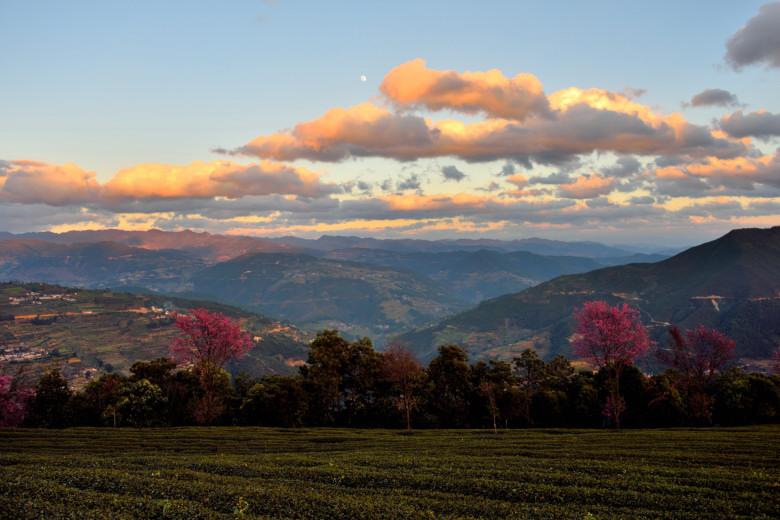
(644,123)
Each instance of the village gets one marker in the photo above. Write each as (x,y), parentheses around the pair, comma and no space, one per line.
(36,298)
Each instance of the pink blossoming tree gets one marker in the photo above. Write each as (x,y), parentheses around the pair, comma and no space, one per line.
(14,400)
(611,338)
(209,340)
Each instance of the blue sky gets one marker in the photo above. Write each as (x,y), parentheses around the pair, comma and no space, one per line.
(174,93)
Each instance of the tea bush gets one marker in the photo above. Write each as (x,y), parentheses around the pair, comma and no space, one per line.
(213,473)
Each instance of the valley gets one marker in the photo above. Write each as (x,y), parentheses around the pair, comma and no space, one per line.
(489,297)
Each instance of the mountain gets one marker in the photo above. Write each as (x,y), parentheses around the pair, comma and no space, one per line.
(305,288)
(97,265)
(474,275)
(208,247)
(86,331)
(531,245)
(732,284)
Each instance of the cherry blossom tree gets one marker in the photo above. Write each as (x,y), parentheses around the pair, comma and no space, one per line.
(15,397)
(209,340)
(611,338)
(698,356)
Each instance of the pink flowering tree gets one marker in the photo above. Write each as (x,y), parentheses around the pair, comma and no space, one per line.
(14,400)
(209,340)
(698,356)
(611,338)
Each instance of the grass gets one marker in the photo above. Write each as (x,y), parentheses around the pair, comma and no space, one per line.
(333,473)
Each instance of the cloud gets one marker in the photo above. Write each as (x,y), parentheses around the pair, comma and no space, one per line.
(587,187)
(642,200)
(453,173)
(215,179)
(359,131)
(553,178)
(412,85)
(758,41)
(146,185)
(413,182)
(586,122)
(57,185)
(518,180)
(573,122)
(761,124)
(625,167)
(507,169)
(714,97)
(744,176)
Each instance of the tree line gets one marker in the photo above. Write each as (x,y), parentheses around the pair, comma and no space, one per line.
(350,384)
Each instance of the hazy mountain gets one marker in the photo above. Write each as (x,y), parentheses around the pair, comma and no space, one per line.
(532,245)
(202,245)
(475,275)
(732,284)
(97,265)
(304,288)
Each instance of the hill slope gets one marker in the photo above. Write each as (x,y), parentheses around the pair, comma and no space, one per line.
(96,330)
(475,275)
(732,284)
(309,289)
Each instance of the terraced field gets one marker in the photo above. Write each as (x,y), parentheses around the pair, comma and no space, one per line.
(344,474)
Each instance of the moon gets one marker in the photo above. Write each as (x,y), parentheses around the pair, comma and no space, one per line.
(362,78)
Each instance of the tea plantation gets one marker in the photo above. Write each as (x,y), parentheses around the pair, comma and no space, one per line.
(345,474)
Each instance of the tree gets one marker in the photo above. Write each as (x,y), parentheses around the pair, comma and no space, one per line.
(104,394)
(275,401)
(14,400)
(449,375)
(611,338)
(401,368)
(775,367)
(495,383)
(48,409)
(209,340)
(340,377)
(529,369)
(143,405)
(740,398)
(698,356)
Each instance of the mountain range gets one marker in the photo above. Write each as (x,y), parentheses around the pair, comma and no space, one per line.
(486,296)
(344,282)
(731,284)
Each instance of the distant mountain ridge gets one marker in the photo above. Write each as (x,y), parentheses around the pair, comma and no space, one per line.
(216,248)
(732,284)
(532,245)
(306,288)
(223,247)
(475,275)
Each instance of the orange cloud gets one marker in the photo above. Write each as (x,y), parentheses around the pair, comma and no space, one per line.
(31,182)
(57,185)
(414,85)
(587,187)
(214,179)
(522,125)
(360,130)
(518,180)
